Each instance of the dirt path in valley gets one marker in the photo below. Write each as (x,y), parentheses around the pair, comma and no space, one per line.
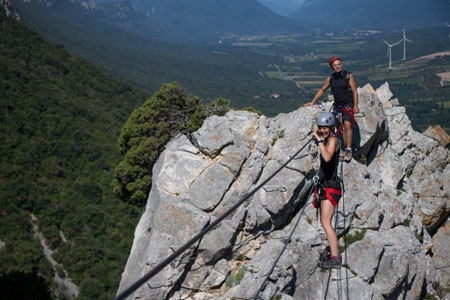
(65,285)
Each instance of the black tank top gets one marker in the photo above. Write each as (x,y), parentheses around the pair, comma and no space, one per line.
(328,170)
(340,88)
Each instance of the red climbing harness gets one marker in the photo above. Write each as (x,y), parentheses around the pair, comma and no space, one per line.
(352,113)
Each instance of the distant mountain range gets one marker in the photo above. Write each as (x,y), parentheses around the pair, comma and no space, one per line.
(209,17)
(282,7)
(114,36)
(369,13)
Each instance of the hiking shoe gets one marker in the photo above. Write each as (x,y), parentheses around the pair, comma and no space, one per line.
(347,155)
(332,262)
(323,258)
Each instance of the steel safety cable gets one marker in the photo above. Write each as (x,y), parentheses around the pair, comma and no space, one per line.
(341,182)
(315,182)
(344,224)
(125,293)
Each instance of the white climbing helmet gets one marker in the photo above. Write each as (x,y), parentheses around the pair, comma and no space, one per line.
(325,119)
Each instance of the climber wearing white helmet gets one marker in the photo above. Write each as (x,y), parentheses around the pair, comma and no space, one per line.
(329,188)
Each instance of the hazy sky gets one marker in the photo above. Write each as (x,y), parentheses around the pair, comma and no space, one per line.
(298,1)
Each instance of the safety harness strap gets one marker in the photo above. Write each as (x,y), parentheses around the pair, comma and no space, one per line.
(350,110)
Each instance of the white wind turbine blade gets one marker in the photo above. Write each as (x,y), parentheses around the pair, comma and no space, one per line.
(395,44)
(447,24)
(387,43)
(404,37)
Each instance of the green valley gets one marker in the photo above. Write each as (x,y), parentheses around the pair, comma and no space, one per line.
(60,119)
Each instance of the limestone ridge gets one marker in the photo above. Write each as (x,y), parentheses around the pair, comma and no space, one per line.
(396,198)
(8,10)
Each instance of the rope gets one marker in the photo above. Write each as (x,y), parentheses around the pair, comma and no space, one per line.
(197,237)
(288,240)
(345,241)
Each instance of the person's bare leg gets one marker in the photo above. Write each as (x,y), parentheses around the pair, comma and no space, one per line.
(326,214)
(348,134)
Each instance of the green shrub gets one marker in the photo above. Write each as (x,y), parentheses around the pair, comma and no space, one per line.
(144,136)
(352,238)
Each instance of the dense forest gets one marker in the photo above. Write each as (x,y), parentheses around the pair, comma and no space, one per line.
(148,63)
(65,129)
(60,118)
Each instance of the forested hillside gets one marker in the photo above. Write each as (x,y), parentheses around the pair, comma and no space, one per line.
(148,63)
(60,118)
(210,18)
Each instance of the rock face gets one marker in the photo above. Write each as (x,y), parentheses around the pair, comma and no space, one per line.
(8,10)
(439,135)
(392,222)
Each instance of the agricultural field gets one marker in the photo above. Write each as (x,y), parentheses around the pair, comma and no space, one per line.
(421,82)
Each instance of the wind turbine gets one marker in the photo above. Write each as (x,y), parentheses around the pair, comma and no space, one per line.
(448,26)
(404,40)
(389,51)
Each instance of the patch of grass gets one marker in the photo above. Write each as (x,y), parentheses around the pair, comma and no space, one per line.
(362,159)
(350,269)
(352,238)
(406,222)
(235,279)
(240,257)
(280,135)
(400,191)
(428,296)
(273,74)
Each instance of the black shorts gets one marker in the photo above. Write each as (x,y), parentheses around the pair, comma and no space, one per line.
(331,191)
(347,116)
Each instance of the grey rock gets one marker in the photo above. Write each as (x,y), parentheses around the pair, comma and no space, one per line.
(216,242)
(384,94)
(438,133)
(204,193)
(441,255)
(217,276)
(396,189)
(213,136)
(364,256)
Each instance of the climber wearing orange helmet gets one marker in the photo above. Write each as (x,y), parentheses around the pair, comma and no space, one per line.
(344,89)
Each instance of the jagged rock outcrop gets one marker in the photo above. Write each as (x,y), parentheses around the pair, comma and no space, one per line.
(87,5)
(7,9)
(393,221)
(438,133)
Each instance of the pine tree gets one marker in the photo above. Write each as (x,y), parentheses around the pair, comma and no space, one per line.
(144,136)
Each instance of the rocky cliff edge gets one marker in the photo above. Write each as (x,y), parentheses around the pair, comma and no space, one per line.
(392,222)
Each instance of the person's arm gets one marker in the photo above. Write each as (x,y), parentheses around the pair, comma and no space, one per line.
(320,92)
(327,151)
(352,83)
